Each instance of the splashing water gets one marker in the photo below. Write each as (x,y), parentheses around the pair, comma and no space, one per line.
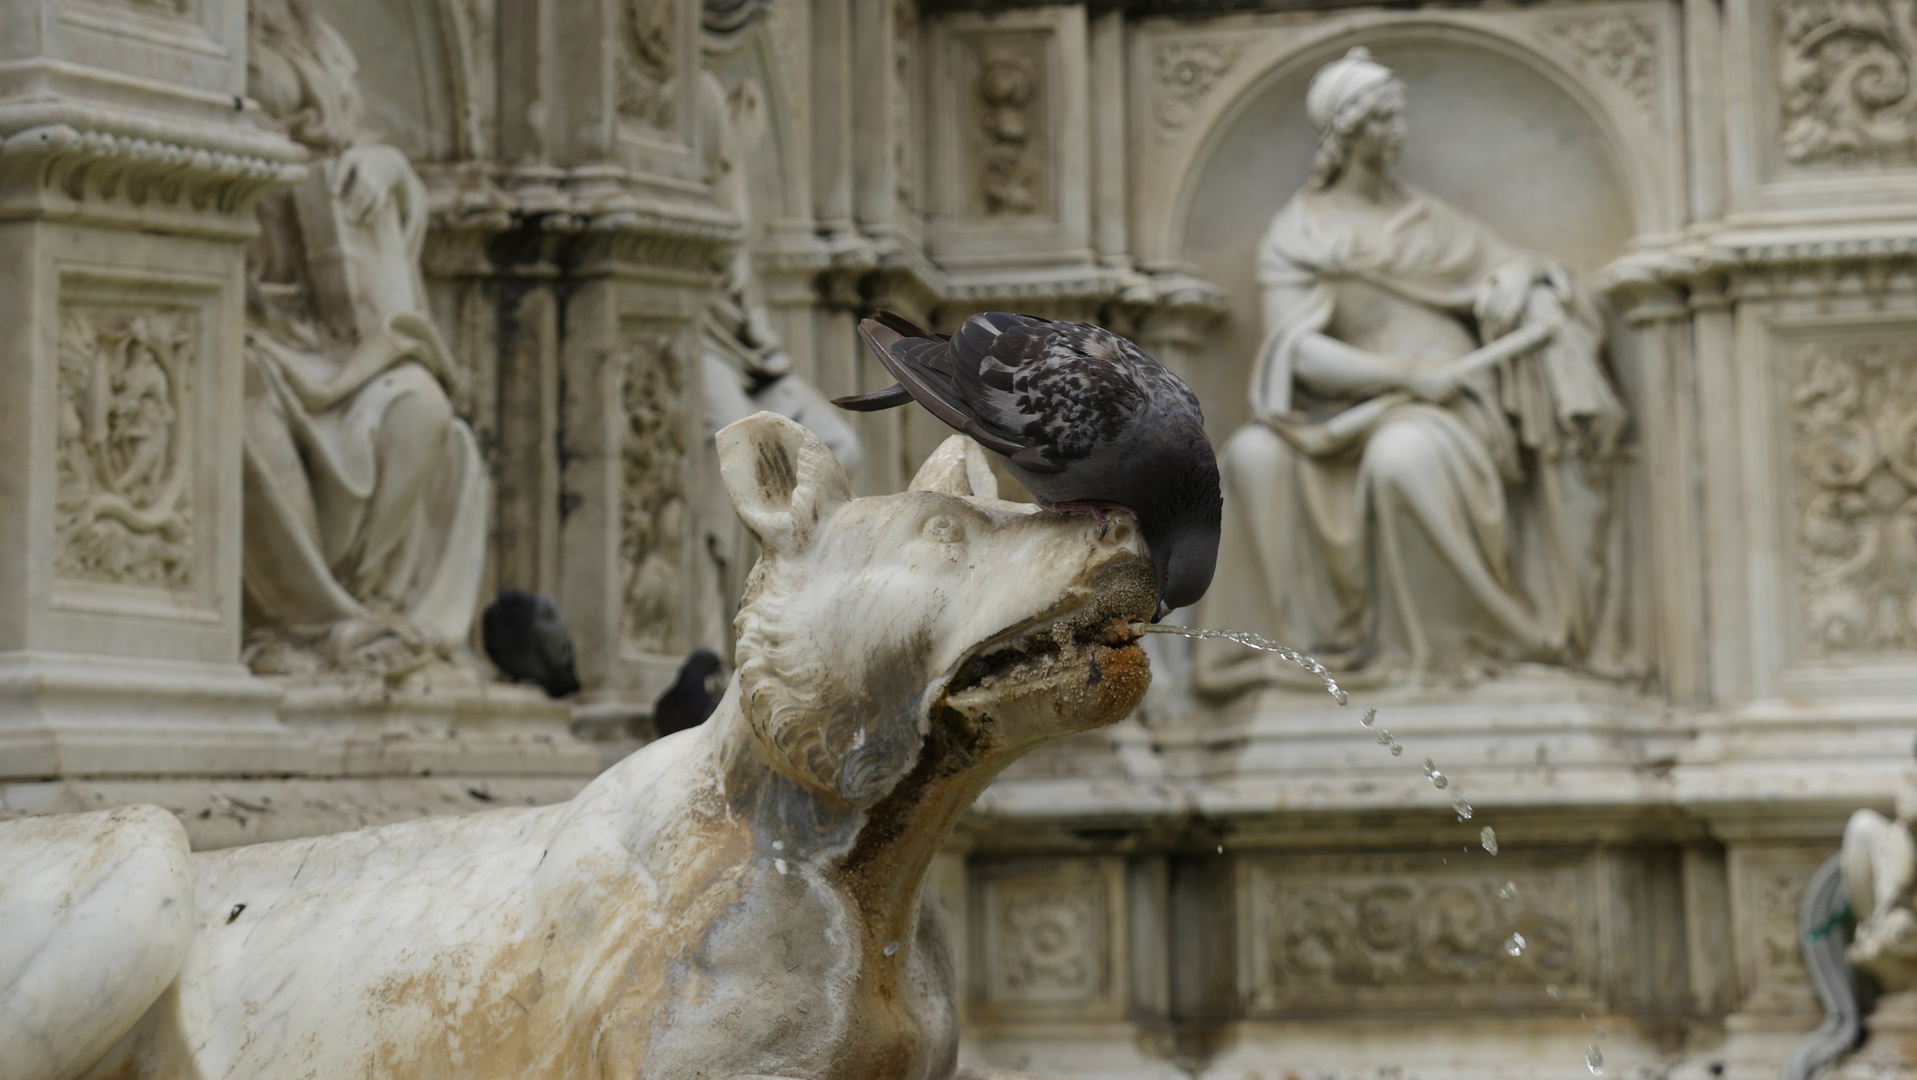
(1462,808)
(1489,839)
(1508,892)
(1431,773)
(1594,1059)
(1514,945)
(1257,641)
(891,948)
(1369,716)
(1551,991)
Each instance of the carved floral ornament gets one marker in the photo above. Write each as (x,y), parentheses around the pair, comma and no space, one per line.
(1844,79)
(1619,48)
(1187,70)
(1853,409)
(1050,943)
(1011,176)
(1415,931)
(124,514)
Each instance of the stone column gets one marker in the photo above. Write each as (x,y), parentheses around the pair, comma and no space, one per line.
(128,174)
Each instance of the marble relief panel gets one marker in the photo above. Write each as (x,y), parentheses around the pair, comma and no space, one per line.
(653,460)
(1396,931)
(1767,885)
(1852,407)
(124,511)
(1843,70)
(1051,943)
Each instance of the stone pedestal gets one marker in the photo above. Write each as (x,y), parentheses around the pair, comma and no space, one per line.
(127,180)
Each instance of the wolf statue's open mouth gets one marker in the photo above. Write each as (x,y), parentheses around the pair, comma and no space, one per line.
(1072,644)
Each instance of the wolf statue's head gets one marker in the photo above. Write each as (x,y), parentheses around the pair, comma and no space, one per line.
(873,628)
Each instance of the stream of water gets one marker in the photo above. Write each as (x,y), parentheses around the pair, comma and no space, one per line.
(1487,837)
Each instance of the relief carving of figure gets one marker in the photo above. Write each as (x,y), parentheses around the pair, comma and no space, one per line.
(365,496)
(1425,485)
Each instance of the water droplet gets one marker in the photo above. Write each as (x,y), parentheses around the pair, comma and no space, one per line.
(779,865)
(1257,641)
(1601,1033)
(1551,991)
(1383,737)
(1489,839)
(891,948)
(1396,750)
(1369,716)
(1221,849)
(1508,892)
(1594,1060)
(778,845)
(1440,782)
(1515,945)
(1463,808)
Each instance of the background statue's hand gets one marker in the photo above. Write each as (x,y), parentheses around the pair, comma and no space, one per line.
(364,176)
(1502,298)
(1432,382)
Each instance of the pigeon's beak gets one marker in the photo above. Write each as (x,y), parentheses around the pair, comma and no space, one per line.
(1164,609)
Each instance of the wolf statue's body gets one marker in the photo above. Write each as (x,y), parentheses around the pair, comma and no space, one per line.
(742,899)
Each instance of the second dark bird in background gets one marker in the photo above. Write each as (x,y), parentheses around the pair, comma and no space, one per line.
(691,698)
(528,640)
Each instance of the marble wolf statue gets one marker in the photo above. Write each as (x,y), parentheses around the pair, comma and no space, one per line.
(744,899)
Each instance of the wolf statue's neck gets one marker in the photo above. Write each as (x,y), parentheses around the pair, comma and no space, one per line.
(877,856)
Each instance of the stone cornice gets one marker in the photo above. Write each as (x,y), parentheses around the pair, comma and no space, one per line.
(63,158)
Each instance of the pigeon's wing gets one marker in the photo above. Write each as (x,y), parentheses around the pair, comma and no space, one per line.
(553,642)
(1060,389)
(922,363)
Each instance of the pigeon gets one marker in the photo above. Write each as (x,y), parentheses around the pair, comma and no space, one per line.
(688,702)
(1084,418)
(526,637)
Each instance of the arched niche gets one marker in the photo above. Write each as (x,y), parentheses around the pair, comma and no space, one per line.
(412,72)
(1490,132)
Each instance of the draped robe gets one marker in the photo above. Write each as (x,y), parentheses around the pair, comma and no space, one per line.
(1383,531)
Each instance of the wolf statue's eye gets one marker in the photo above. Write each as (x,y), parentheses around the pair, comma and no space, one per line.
(944,529)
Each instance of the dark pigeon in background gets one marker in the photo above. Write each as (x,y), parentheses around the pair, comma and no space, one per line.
(690,700)
(526,637)
(1085,419)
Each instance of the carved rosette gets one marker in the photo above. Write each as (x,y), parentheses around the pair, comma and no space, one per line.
(1010,97)
(1844,79)
(1331,936)
(653,457)
(124,515)
(1620,49)
(1187,70)
(1854,426)
(646,63)
(1049,941)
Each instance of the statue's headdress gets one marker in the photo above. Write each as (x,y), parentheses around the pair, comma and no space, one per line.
(1342,95)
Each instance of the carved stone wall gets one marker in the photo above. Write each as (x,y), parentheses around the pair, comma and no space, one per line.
(1844,74)
(1051,942)
(1384,932)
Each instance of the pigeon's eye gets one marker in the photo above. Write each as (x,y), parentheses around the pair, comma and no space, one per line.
(944,529)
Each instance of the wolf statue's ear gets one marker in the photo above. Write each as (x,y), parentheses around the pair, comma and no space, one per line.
(781,478)
(958,467)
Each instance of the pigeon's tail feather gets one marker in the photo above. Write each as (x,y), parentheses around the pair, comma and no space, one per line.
(889,398)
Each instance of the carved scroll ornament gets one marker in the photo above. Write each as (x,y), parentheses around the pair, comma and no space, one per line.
(655,491)
(1844,79)
(126,437)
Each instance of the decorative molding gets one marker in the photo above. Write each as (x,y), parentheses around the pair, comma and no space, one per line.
(1844,80)
(1620,48)
(1048,941)
(1187,70)
(126,442)
(102,166)
(1011,167)
(1340,932)
(903,107)
(1769,885)
(650,545)
(646,63)
(1853,410)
